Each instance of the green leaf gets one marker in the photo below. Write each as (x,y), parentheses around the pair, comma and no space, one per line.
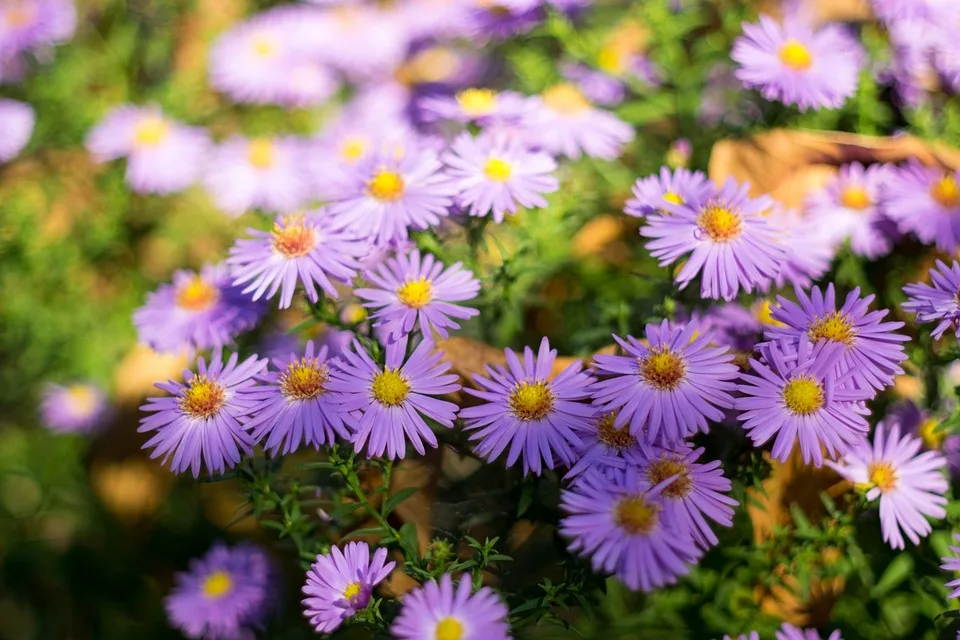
(408,540)
(395,500)
(526,498)
(897,571)
(369,531)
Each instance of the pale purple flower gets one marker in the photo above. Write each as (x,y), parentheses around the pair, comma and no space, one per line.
(939,303)
(479,105)
(809,250)
(440,611)
(952,564)
(790,632)
(925,201)
(563,122)
(16,127)
(598,87)
(501,19)
(34,25)
(81,407)
(605,446)
(362,40)
(259,173)
(676,187)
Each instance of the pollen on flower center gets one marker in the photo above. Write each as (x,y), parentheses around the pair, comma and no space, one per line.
(351,591)
(635,515)
(531,401)
(662,369)
(353,149)
(83,398)
(763,312)
(150,131)
(946,192)
(217,584)
(609,435)
(803,395)
(477,102)
(611,59)
(673,198)
(17,17)
(720,223)
(264,45)
(294,238)
(203,397)
(882,476)
(449,629)
(497,170)
(795,56)
(386,186)
(832,326)
(304,379)
(565,99)
(931,436)
(390,388)
(416,293)
(855,198)
(261,154)
(667,467)
(197,295)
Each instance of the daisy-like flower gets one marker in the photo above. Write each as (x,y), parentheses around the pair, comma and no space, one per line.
(790,632)
(340,583)
(228,594)
(794,64)
(16,127)
(793,394)
(294,405)
(385,407)
(952,564)
(939,303)
(731,244)
(385,194)
(440,611)
(698,492)
(925,201)
(264,173)
(619,520)
(669,387)
(677,187)
(536,417)
(809,250)
(872,351)
(412,292)
(563,122)
(849,208)
(196,311)
(202,420)
(80,407)
(482,106)
(910,485)
(33,25)
(495,174)
(501,19)
(302,249)
(605,446)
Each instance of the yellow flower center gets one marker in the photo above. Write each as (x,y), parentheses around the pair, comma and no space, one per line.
(565,99)
(763,312)
(832,326)
(353,314)
(449,629)
(390,388)
(19,16)
(203,397)
(609,435)
(476,103)
(264,45)
(416,293)
(497,170)
(304,379)
(803,395)
(531,401)
(260,153)
(666,467)
(795,56)
(673,198)
(635,515)
(353,149)
(217,584)
(932,437)
(610,59)
(150,131)
(83,398)
(946,192)
(386,186)
(719,223)
(855,198)
(882,476)
(662,369)
(351,591)
(294,238)
(197,295)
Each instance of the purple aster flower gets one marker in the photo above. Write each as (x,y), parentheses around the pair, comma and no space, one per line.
(736,326)
(563,122)
(933,10)
(501,19)
(81,407)
(302,249)
(809,250)
(482,106)
(790,632)
(793,393)
(925,201)
(952,564)
(939,303)
(495,174)
(872,351)
(910,485)
(383,195)
(698,492)
(163,155)
(605,446)
(535,416)
(16,127)
(364,41)
(677,187)
(228,594)
(264,173)
(294,405)
(385,407)
(668,388)
(340,583)
(440,611)
(620,521)
(203,418)
(794,64)
(196,311)
(730,242)
(412,292)
(33,25)
(849,208)
(596,86)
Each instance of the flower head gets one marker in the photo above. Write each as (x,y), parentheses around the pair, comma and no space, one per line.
(500,19)
(809,248)
(16,127)
(605,446)
(202,420)
(565,123)
(33,25)
(952,564)
(925,201)
(524,409)
(340,583)
(790,632)
(483,106)
(676,187)
(938,303)
(81,407)
(440,611)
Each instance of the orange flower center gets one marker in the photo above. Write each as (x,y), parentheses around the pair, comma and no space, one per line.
(609,435)
(197,295)
(203,397)
(635,515)
(667,467)
(304,379)
(294,238)
(855,198)
(662,369)
(565,99)
(720,223)
(946,192)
